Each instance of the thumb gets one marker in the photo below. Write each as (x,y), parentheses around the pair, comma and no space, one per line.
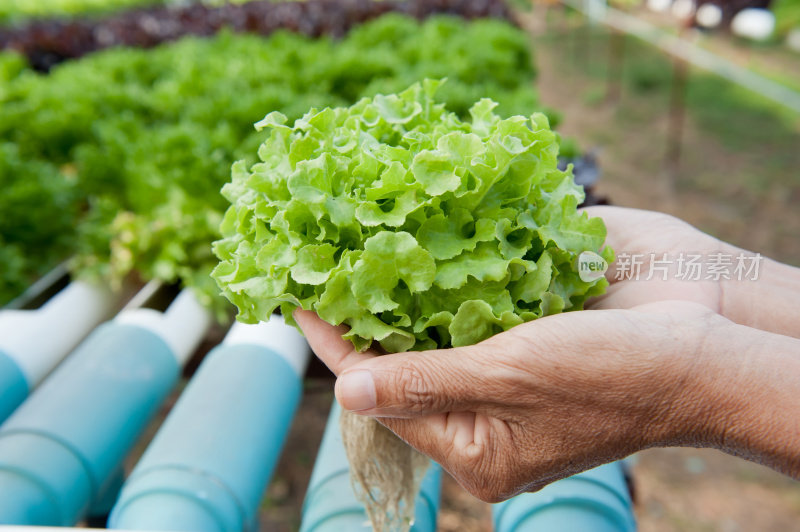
(411,384)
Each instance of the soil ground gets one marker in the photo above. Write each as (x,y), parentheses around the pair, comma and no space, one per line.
(738,173)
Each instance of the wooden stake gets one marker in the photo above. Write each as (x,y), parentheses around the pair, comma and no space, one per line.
(677,112)
(616,60)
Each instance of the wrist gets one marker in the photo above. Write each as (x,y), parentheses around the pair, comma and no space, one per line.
(666,382)
(687,401)
(740,396)
(767,302)
(762,418)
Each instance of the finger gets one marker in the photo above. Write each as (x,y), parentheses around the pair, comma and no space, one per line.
(620,296)
(639,290)
(426,434)
(460,442)
(327,343)
(623,224)
(621,229)
(434,435)
(415,384)
(615,229)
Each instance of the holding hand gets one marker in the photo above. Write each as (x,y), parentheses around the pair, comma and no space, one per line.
(658,366)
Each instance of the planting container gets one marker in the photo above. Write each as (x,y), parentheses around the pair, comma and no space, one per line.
(34,342)
(60,450)
(208,466)
(331,504)
(596,500)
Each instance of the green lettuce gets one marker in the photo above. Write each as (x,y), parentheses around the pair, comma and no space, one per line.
(415,228)
(37,208)
(144,139)
(17,10)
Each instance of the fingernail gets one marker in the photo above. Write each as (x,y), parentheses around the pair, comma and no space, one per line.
(356,390)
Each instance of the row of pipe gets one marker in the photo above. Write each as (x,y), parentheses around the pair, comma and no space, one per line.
(34,342)
(207,467)
(62,450)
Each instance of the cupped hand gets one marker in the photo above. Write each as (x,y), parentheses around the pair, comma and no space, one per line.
(655,362)
(657,259)
(660,257)
(539,402)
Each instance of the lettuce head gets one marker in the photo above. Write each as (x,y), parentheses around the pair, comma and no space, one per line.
(416,229)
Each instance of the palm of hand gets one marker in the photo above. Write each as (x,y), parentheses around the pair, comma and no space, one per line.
(516,410)
(545,399)
(647,237)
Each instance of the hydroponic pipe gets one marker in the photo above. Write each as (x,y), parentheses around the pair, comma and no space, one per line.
(33,342)
(331,504)
(97,514)
(208,466)
(596,500)
(59,451)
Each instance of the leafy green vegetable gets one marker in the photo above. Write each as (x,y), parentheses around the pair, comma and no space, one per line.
(11,64)
(15,10)
(37,207)
(144,139)
(414,227)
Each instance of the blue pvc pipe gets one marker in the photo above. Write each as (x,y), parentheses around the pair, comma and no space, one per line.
(105,500)
(331,504)
(60,450)
(208,466)
(13,386)
(596,500)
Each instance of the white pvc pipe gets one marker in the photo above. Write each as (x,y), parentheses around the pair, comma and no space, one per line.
(659,6)
(683,9)
(207,467)
(709,15)
(276,336)
(182,326)
(38,340)
(753,23)
(793,40)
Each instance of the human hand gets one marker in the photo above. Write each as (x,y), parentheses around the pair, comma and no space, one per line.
(541,401)
(763,297)
(660,365)
(644,238)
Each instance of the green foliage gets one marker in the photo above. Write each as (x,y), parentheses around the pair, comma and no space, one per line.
(12,10)
(37,207)
(569,148)
(11,64)
(626,4)
(500,67)
(146,138)
(414,227)
(787,15)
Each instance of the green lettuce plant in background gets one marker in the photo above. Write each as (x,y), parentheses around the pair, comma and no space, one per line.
(144,139)
(18,10)
(415,228)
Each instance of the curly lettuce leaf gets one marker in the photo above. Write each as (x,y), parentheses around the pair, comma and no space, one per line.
(415,228)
